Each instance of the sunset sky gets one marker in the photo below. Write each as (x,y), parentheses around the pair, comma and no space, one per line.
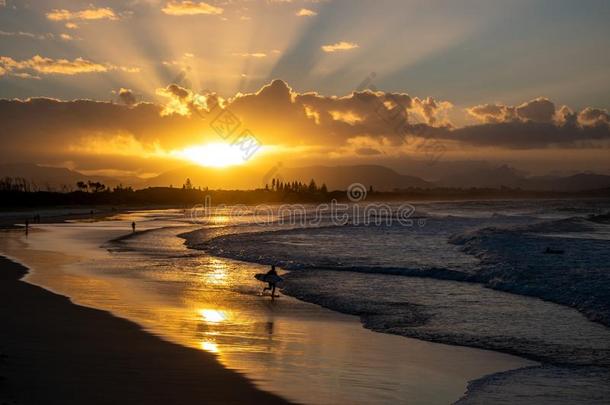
(138,87)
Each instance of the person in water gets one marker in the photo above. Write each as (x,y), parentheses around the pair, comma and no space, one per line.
(133,226)
(271,284)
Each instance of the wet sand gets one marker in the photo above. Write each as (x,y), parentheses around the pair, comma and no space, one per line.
(56,352)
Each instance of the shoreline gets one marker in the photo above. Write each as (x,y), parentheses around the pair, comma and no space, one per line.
(451,366)
(54,351)
(363,321)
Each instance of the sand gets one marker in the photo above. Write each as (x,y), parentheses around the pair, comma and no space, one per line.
(55,352)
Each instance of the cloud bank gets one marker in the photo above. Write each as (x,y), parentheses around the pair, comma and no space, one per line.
(364,123)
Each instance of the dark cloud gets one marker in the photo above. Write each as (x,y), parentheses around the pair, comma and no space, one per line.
(44,129)
(594,117)
(367,151)
(538,110)
(127,97)
(533,124)
(178,91)
(519,135)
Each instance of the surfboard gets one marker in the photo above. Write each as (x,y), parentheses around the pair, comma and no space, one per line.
(268,278)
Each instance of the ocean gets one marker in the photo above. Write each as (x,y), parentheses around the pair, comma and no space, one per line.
(476,302)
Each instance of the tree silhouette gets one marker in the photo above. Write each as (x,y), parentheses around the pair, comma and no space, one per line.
(81,185)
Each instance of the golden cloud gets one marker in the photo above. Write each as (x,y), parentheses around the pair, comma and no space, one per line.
(349,117)
(361,124)
(253,54)
(102,13)
(339,46)
(190,8)
(45,65)
(305,12)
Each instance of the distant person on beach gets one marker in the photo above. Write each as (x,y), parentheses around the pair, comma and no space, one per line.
(272,280)
(133,226)
(27,226)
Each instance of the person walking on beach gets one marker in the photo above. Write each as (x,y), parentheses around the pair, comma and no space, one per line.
(133,226)
(27,226)
(271,278)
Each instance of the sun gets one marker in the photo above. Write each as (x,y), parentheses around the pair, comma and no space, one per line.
(213,155)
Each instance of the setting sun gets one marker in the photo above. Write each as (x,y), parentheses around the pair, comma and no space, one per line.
(212,154)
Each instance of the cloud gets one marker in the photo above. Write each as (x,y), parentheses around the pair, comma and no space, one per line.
(49,66)
(26,35)
(526,135)
(17,33)
(190,8)
(23,75)
(305,12)
(366,151)
(593,117)
(533,124)
(349,117)
(127,97)
(540,109)
(182,101)
(71,25)
(431,110)
(253,54)
(102,13)
(363,123)
(339,46)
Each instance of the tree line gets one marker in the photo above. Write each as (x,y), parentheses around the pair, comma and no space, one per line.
(18,192)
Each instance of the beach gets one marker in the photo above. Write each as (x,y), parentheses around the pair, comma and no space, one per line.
(56,352)
(210,306)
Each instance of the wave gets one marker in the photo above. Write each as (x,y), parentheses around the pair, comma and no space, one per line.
(541,385)
(517,260)
(506,258)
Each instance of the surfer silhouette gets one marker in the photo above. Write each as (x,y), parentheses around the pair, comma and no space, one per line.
(271,278)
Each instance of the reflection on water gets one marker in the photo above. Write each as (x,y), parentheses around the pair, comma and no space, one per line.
(209,346)
(299,350)
(218,272)
(213,315)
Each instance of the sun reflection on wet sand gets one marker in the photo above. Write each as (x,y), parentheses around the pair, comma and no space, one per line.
(217,273)
(213,315)
(209,346)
